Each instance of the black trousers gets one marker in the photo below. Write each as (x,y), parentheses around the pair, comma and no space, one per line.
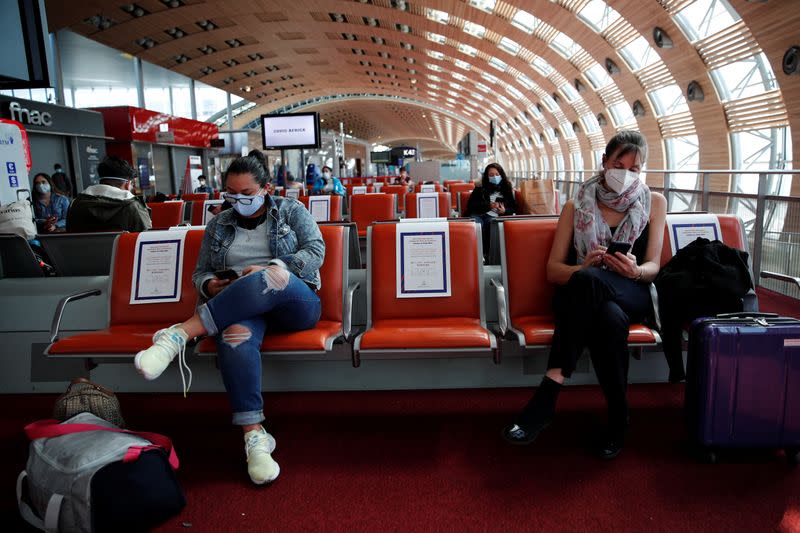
(595,309)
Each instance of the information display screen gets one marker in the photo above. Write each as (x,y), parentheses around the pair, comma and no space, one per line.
(296,130)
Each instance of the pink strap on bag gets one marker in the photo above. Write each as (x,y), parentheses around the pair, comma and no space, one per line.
(45,429)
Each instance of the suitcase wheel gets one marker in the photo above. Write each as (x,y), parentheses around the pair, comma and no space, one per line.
(792,456)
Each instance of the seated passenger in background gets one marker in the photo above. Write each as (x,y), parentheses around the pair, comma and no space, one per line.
(403,178)
(492,198)
(203,187)
(109,205)
(275,249)
(327,184)
(599,294)
(292,182)
(49,207)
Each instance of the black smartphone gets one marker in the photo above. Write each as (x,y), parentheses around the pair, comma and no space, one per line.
(226,274)
(616,246)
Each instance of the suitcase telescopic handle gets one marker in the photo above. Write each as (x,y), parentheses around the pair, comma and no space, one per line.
(747,314)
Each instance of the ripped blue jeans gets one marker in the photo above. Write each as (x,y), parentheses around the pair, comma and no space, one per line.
(238,317)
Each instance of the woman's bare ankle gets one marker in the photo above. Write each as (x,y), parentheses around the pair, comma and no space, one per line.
(555,375)
(251,427)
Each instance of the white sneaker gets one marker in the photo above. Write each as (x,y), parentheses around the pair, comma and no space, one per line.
(167,343)
(258,445)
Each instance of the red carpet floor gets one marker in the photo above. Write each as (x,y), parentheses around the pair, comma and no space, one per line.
(434,461)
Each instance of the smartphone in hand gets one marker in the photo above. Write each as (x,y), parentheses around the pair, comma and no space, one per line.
(616,246)
(226,274)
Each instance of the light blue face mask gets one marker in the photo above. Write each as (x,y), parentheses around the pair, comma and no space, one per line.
(495,180)
(245,205)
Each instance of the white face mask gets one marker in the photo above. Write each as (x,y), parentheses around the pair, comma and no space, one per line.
(326,175)
(620,179)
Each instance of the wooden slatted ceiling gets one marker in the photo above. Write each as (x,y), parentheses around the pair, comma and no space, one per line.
(728,46)
(654,76)
(761,111)
(676,125)
(260,25)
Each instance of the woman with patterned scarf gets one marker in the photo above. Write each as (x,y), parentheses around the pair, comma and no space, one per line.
(600,294)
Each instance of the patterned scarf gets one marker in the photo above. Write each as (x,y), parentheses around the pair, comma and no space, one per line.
(591,229)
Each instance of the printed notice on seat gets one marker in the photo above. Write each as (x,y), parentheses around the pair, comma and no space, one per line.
(428,205)
(427,187)
(158,267)
(684,229)
(320,208)
(293,193)
(360,189)
(210,204)
(423,260)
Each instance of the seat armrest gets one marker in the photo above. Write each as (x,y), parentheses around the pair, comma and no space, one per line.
(781,277)
(347,312)
(60,310)
(656,313)
(502,310)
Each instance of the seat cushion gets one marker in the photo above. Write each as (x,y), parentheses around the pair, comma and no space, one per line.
(120,339)
(433,333)
(295,341)
(538,331)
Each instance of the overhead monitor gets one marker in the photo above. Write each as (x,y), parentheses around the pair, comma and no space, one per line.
(290,131)
(381,157)
(23,38)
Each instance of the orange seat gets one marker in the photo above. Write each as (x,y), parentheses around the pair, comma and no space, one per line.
(444,205)
(437,186)
(457,188)
(731,227)
(400,191)
(525,248)
(335,316)
(398,327)
(164,215)
(131,327)
(336,207)
(194,197)
(368,208)
(349,188)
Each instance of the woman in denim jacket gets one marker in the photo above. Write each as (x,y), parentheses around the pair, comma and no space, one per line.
(273,249)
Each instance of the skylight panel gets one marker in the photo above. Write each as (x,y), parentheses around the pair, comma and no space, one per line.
(622,114)
(563,45)
(481,87)
(597,15)
(435,37)
(437,16)
(484,5)
(597,76)
(434,54)
(638,53)
(434,67)
(509,46)
(476,30)
(706,17)
(525,21)
(569,92)
(459,76)
(514,92)
(549,103)
(498,64)
(525,81)
(467,49)
(541,66)
(489,77)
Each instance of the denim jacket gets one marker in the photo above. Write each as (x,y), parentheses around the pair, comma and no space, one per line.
(294,238)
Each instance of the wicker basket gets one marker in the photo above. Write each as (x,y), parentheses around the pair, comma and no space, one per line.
(84,396)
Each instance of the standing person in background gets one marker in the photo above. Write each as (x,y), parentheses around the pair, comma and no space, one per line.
(49,207)
(328,184)
(202,188)
(312,175)
(492,198)
(600,292)
(62,183)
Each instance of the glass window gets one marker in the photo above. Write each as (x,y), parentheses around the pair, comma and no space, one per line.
(542,66)
(43,95)
(435,37)
(622,114)
(434,67)
(705,17)
(439,16)
(597,15)
(638,53)
(96,75)
(513,91)
(597,76)
(434,54)
(476,30)
(549,103)
(589,122)
(509,46)
(668,100)
(210,100)
(533,110)
(525,21)
(559,161)
(563,45)
(462,64)
(526,81)
(545,163)
(566,130)
(577,161)
(569,92)
(483,5)
(744,78)
(166,91)
(503,100)
(683,153)
(498,64)
(467,49)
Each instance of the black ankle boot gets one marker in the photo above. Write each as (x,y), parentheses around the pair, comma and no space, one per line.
(536,415)
(610,444)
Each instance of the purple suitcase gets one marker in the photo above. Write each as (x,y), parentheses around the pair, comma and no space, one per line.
(743,383)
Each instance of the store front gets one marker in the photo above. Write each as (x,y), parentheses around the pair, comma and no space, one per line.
(159,146)
(72,138)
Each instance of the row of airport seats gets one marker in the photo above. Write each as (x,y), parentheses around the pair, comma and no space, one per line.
(452,326)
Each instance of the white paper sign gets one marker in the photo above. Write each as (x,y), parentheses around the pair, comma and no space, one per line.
(360,189)
(158,267)
(428,187)
(423,260)
(293,193)
(207,216)
(684,229)
(428,205)
(377,186)
(320,208)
